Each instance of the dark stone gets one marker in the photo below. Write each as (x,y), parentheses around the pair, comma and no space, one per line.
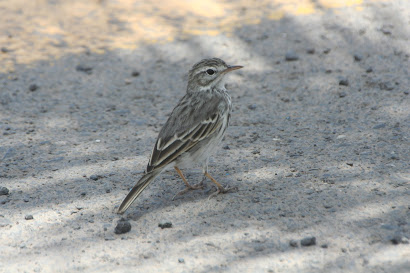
(4,50)
(84,68)
(165,225)
(357,57)
(310,51)
(252,107)
(369,70)
(291,56)
(327,50)
(293,243)
(181,260)
(123,226)
(95,177)
(226,147)
(4,191)
(135,73)
(399,239)
(308,241)
(29,217)
(344,82)
(33,87)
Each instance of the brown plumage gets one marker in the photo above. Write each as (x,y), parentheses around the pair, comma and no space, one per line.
(194,129)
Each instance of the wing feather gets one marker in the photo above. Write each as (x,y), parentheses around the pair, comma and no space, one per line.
(165,151)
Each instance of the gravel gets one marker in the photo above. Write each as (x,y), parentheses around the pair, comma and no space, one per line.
(308,241)
(344,82)
(291,56)
(4,191)
(305,155)
(165,225)
(123,226)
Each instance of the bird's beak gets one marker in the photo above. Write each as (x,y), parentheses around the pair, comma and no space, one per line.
(232,68)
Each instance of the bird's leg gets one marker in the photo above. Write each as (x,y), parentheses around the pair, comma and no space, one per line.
(221,189)
(188,186)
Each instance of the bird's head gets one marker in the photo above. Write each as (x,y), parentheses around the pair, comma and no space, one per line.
(208,73)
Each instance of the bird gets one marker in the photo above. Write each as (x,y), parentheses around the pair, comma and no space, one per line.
(194,129)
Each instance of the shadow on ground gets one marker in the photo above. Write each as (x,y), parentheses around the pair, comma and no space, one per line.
(318,146)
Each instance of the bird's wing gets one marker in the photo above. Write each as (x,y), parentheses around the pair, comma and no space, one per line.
(186,126)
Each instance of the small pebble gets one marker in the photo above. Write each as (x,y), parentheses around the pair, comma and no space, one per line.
(84,68)
(4,50)
(252,107)
(135,73)
(293,243)
(291,56)
(95,177)
(181,260)
(369,70)
(33,87)
(385,30)
(310,51)
(399,239)
(344,82)
(226,147)
(165,225)
(4,191)
(28,217)
(342,94)
(123,226)
(406,92)
(357,57)
(324,246)
(308,241)
(327,50)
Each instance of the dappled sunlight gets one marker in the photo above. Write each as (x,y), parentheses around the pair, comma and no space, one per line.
(52,30)
(304,155)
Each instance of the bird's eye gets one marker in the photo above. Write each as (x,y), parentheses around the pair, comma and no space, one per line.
(210,71)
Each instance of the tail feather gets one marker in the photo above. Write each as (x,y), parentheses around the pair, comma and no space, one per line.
(136,190)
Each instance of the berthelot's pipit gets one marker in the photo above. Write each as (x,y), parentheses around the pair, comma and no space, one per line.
(194,129)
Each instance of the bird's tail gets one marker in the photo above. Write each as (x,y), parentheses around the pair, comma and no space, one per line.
(137,189)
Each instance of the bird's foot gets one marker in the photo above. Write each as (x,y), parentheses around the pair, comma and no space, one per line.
(219,190)
(189,187)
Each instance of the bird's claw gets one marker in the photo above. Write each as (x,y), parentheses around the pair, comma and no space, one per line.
(218,191)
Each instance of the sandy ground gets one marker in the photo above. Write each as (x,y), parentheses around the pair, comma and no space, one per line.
(318,144)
